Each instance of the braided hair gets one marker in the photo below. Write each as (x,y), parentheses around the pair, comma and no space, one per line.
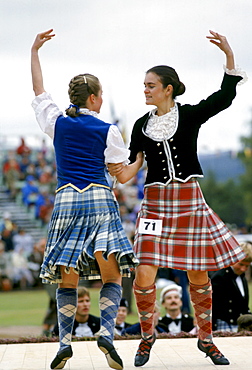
(80,88)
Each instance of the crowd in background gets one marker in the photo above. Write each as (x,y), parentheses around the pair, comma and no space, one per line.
(29,177)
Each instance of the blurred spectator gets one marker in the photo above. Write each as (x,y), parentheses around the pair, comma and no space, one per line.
(230,293)
(85,324)
(38,251)
(24,164)
(135,329)
(11,173)
(5,266)
(8,230)
(180,278)
(129,227)
(31,171)
(46,210)
(23,243)
(50,319)
(121,324)
(45,177)
(42,166)
(127,283)
(44,206)
(7,238)
(23,149)
(35,260)
(10,157)
(244,322)
(174,321)
(30,191)
(21,274)
(6,222)
(44,148)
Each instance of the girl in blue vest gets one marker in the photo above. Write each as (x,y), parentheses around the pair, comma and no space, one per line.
(175,227)
(85,238)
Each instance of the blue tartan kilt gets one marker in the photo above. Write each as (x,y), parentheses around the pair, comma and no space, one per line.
(82,224)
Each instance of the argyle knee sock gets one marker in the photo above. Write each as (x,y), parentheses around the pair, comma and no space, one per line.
(201,297)
(66,306)
(110,296)
(145,301)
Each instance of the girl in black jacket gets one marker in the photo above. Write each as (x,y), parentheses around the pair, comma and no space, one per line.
(175,227)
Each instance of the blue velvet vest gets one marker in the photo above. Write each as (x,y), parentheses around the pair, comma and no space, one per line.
(79,148)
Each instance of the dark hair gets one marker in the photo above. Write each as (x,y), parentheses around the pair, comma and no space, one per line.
(168,76)
(244,322)
(124,303)
(80,88)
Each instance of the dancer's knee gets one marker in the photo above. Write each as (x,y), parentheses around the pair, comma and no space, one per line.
(198,277)
(145,275)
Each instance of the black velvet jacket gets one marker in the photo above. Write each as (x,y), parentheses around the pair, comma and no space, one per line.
(228,302)
(181,147)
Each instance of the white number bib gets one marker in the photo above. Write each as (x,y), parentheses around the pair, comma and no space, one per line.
(150,226)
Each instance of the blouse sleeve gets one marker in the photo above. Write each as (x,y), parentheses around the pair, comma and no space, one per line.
(237,72)
(46,112)
(115,151)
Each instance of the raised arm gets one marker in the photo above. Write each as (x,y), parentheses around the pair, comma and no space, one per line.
(223,44)
(37,77)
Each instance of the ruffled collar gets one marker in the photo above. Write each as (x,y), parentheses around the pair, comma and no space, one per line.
(161,128)
(87,111)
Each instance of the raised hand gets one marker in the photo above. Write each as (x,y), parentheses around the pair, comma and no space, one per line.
(37,78)
(222,43)
(41,38)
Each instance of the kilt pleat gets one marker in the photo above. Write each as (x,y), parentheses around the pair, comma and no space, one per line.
(193,236)
(82,224)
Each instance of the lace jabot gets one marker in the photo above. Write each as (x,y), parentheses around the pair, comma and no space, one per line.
(161,128)
(87,111)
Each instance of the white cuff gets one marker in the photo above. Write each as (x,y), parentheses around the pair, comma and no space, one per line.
(237,72)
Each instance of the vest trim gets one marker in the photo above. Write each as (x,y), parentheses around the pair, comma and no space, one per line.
(81,190)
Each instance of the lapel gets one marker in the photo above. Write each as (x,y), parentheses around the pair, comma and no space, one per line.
(244,283)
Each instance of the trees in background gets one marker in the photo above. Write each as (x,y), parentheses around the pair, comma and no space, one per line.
(232,199)
(225,198)
(246,179)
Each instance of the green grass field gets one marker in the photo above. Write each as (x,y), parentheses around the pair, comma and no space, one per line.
(28,308)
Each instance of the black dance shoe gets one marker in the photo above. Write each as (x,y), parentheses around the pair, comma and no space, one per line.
(114,361)
(61,358)
(212,351)
(143,352)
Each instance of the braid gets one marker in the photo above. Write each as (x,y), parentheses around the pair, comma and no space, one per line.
(80,89)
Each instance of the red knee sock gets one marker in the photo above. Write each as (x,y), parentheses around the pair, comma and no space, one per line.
(201,297)
(145,301)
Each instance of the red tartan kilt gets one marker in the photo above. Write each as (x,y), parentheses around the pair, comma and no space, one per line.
(193,237)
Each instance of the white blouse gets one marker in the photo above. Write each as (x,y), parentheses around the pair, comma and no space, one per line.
(160,128)
(47,112)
